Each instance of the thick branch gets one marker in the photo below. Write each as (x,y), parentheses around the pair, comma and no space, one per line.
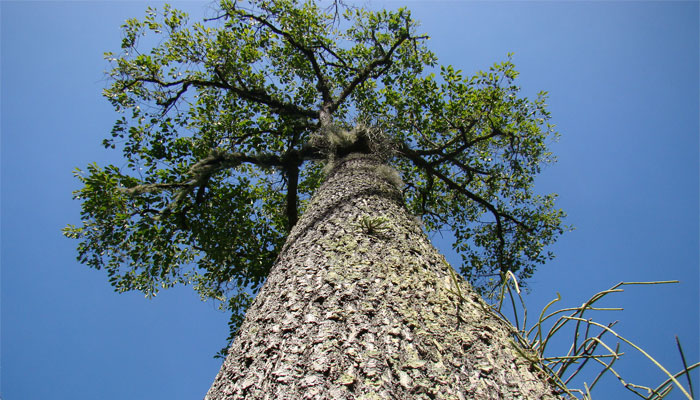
(257,96)
(200,172)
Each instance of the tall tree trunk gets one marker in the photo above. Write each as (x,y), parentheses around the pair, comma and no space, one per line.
(360,305)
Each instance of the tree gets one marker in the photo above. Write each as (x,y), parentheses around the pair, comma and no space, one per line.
(229,128)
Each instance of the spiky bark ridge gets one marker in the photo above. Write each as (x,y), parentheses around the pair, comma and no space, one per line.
(360,305)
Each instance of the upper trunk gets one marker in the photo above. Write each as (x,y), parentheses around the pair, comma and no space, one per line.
(357,308)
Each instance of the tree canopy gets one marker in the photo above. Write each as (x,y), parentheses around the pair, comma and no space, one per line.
(225,125)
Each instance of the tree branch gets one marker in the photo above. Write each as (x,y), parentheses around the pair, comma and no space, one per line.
(200,172)
(494,132)
(322,83)
(257,96)
(343,63)
(462,166)
(498,216)
(292,169)
(366,71)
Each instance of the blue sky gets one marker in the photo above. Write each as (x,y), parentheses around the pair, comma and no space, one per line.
(623,84)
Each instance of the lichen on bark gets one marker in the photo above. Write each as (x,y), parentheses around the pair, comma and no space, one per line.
(348,314)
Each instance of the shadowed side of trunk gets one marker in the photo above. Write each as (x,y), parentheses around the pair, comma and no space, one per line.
(360,305)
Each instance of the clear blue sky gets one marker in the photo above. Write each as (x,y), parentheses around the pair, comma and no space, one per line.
(623,80)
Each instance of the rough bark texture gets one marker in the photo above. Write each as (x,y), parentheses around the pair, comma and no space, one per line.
(356,311)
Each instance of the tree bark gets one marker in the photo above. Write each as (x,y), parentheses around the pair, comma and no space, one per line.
(357,308)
